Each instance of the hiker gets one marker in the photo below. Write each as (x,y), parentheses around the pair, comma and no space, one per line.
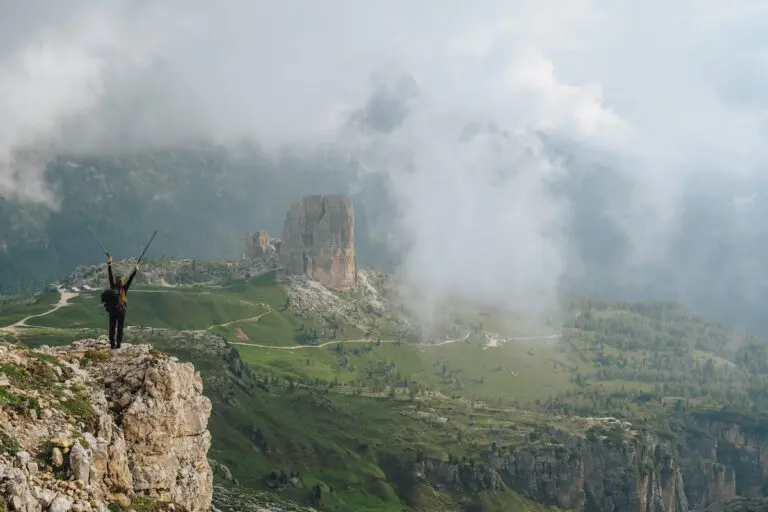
(118,305)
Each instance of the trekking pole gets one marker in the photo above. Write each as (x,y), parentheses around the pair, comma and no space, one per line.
(146,247)
(98,239)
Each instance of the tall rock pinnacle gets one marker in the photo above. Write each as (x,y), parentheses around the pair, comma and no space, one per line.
(318,241)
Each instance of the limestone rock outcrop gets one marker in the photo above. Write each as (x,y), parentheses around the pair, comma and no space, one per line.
(636,474)
(318,241)
(83,427)
(728,458)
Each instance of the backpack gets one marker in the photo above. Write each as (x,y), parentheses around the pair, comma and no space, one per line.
(112,302)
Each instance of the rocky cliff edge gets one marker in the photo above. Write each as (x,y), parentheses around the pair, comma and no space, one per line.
(623,471)
(83,428)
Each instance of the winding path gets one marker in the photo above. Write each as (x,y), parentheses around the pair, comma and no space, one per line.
(548,337)
(252,319)
(64,298)
(321,345)
(371,340)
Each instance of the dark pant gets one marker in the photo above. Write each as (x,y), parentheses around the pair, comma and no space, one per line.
(116,321)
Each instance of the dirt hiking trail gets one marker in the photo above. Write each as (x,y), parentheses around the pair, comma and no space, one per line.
(371,340)
(64,297)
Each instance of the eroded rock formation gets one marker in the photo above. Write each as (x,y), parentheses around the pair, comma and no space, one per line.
(726,459)
(84,427)
(260,245)
(318,241)
(738,505)
(634,474)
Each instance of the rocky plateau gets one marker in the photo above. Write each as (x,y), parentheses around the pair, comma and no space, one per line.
(83,428)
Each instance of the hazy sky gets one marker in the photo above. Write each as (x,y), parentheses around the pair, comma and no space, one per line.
(669,88)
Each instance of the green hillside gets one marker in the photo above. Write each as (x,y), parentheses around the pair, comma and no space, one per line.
(13,309)
(174,308)
(309,392)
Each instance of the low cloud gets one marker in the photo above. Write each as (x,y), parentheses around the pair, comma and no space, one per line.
(459,136)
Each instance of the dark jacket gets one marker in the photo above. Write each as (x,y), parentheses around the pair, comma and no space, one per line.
(123,289)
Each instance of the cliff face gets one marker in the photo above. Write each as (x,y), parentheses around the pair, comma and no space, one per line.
(82,427)
(575,473)
(318,241)
(726,459)
(738,505)
(722,468)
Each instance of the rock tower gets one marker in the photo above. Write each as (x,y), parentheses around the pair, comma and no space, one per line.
(256,244)
(260,245)
(318,241)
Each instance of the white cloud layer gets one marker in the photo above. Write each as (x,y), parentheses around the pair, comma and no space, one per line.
(671,88)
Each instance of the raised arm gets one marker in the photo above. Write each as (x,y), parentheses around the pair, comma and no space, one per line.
(109,270)
(130,277)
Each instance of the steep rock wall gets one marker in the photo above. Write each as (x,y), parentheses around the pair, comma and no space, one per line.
(724,459)
(576,473)
(318,241)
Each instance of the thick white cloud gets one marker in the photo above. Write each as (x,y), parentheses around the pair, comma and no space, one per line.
(293,68)
(671,88)
(57,62)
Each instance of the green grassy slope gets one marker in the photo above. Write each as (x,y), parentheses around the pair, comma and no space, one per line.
(353,445)
(357,446)
(13,309)
(157,308)
(352,417)
(238,303)
(605,347)
(520,370)
(173,308)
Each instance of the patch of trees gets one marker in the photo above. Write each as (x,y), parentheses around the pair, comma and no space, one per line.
(652,325)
